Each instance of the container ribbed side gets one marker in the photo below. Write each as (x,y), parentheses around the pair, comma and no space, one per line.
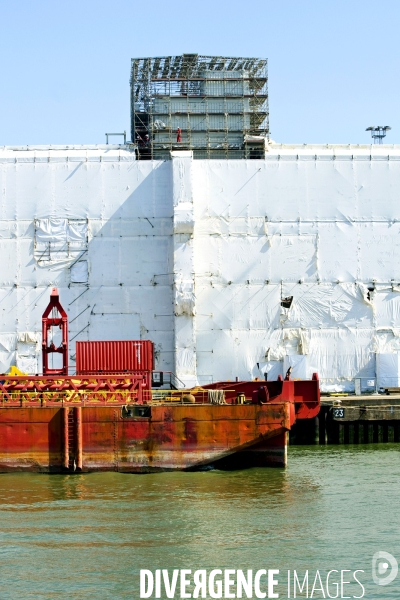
(114,357)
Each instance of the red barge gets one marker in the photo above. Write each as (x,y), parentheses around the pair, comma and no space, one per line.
(114,421)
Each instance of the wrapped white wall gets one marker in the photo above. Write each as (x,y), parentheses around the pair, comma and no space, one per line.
(108,218)
(183,268)
(233,268)
(318,226)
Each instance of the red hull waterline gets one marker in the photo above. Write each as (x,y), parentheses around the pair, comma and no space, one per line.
(57,425)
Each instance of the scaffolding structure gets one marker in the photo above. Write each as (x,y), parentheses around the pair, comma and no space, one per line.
(215,106)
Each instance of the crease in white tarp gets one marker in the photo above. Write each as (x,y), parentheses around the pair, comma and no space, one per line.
(386,340)
(388,370)
(27,364)
(186,361)
(183,269)
(185,299)
(79,272)
(27,349)
(59,241)
(271,368)
(20,349)
(8,342)
(29,337)
(327,305)
(7,359)
(184,218)
(61,230)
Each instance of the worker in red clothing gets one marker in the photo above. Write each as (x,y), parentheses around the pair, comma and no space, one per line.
(178,135)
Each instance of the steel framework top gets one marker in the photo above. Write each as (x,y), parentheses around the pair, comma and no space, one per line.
(188,65)
(208,104)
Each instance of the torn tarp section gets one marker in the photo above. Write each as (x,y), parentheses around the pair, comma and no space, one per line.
(59,241)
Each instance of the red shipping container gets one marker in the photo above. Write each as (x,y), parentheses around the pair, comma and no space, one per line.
(116,357)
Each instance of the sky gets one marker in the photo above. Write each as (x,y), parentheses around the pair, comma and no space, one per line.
(65,64)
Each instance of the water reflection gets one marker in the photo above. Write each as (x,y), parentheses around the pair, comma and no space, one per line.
(87,536)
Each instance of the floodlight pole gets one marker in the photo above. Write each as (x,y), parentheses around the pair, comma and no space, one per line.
(378,132)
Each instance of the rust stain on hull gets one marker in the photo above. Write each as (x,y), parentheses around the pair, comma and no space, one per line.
(103,438)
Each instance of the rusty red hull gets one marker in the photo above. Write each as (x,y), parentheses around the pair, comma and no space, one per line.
(141,438)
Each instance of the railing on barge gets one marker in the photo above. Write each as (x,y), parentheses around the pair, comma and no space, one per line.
(92,389)
(26,390)
(42,390)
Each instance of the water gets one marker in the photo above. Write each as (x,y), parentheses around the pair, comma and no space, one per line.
(87,536)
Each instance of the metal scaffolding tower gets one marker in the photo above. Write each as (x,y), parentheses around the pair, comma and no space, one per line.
(215,106)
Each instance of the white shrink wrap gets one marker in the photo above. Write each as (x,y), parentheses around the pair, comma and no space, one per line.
(234,268)
(388,370)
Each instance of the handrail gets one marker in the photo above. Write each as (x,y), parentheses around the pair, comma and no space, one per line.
(173,379)
(66,388)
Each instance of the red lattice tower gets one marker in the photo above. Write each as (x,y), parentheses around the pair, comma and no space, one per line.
(58,318)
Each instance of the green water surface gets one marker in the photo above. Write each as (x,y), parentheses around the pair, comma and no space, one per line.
(87,536)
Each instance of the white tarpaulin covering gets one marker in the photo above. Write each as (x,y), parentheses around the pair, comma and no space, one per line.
(388,370)
(97,224)
(21,349)
(79,272)
(232,267)
(297,263)
(59,240)
(8,343)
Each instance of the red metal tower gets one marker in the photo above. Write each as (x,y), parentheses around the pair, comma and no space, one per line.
(61,321)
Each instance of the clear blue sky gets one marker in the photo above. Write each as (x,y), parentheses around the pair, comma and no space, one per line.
(65,64)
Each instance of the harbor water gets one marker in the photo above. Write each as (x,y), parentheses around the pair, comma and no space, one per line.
(88,536)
